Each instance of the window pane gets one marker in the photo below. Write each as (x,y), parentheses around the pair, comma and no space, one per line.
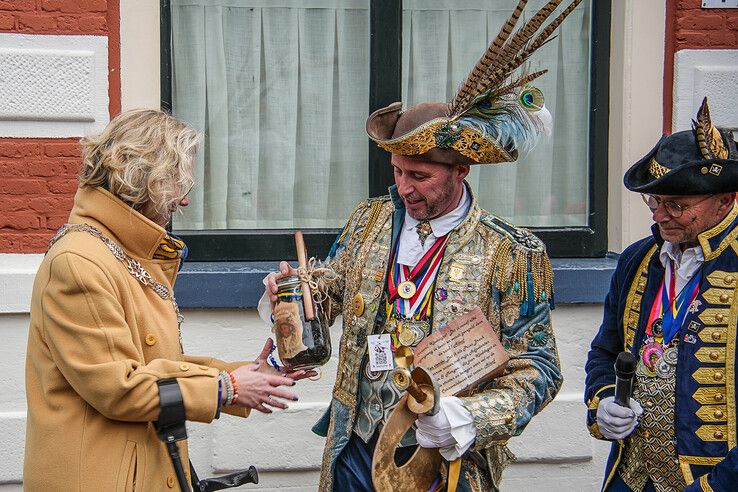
(280,91)
(442,41)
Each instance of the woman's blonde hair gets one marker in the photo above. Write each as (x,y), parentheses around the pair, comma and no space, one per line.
(144,157)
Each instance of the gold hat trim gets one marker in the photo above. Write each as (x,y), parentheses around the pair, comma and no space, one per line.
(466,141)
(656,169)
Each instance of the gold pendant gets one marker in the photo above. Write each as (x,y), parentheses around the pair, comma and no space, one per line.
(406,289)
(358,304)
(407,335)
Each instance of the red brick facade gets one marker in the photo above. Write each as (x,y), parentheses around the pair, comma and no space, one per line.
(695,27)
(38,176)
(689,26)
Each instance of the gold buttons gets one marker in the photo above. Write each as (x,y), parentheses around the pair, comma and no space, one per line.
(719,397)
(649,404)
(714,355)
(170,481)
(509,419)
(724,298)
(358,303)
(720,316)
(718,434)
(704,170)
(718,414)
(716,336)
(717,376)
(184,367)
(729,279)
(150,339)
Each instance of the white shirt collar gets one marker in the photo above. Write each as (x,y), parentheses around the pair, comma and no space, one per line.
(671,251)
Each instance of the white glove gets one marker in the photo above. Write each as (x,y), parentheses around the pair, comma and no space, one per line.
(616,422)
(451,429)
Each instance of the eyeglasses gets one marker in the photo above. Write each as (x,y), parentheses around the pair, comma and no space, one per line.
(673,208)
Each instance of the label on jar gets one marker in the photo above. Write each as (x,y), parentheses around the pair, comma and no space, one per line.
(288,329)
(380,352)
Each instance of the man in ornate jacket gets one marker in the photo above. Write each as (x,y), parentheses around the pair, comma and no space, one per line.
(410,262)
(673,304)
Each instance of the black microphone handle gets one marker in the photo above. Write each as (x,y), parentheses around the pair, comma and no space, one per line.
(623,390)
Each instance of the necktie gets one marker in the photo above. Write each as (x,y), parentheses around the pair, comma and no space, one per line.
(424,230)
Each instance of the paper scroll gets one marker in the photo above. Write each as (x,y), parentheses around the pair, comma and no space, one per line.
(462,354)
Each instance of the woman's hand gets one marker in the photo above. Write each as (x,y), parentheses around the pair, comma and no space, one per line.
(256,389)
(266,368)
(271,286)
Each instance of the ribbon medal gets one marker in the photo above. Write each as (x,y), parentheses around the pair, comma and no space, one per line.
(406,289)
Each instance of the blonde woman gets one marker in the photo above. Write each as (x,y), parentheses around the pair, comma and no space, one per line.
(105,325)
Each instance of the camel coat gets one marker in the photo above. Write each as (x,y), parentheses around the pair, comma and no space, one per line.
(98,343)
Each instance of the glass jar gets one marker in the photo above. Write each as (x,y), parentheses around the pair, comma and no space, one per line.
(301,344)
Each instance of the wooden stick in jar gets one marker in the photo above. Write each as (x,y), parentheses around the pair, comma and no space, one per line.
(307,296)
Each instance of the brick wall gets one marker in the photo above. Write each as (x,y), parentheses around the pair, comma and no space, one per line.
(695,27)
(689,26)
(54,16)
(38,176)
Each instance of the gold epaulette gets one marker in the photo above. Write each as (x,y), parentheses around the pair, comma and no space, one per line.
(370,208)
(521,265)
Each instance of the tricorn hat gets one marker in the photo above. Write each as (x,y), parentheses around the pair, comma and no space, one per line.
(701,161)
(495,113)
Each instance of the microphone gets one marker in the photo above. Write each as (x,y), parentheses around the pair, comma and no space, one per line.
(625,366)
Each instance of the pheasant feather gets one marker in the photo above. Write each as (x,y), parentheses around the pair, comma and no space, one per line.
(475,82)
(709,139)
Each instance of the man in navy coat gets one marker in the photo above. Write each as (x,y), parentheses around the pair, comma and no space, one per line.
(673,304)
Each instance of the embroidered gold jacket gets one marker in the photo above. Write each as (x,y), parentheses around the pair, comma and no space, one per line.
(705,409)
(502,269)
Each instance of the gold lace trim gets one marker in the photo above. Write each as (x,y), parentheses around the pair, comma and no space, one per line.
(469,143)
(656,169)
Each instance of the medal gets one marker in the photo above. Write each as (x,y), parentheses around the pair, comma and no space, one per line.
(670,356)
(657,328)
(663,369)
(401,378)
(406,289)
(419,334)
(403,356)
(407,335)
(652,354)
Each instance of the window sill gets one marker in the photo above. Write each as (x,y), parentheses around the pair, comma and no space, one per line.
(238,285)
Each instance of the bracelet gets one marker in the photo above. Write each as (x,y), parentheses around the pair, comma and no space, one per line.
(235,388)
(225,377)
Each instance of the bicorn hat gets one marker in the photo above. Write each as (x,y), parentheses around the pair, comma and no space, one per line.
(495,114)
(701,161)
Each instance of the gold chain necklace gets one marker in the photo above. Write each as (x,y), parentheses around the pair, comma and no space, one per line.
(133,266)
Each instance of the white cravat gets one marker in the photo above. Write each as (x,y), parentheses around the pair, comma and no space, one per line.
(411,249)
(686,262)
